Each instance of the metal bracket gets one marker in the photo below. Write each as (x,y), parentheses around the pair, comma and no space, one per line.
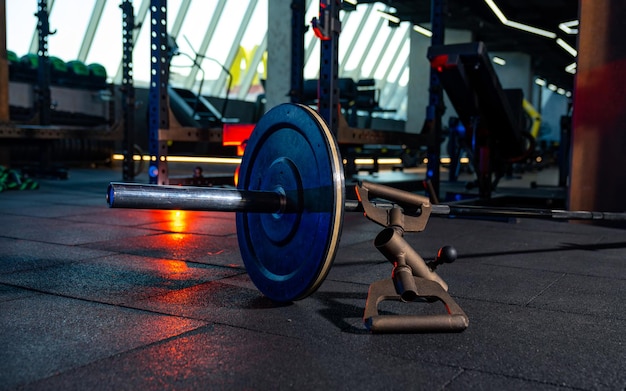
(412,278)
(454,321)
(415,208)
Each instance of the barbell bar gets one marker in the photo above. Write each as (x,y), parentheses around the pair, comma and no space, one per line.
(290,201)
(141,196)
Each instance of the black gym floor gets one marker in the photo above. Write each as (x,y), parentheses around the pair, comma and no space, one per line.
(99,298)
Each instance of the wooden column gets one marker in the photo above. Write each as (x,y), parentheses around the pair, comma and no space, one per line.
(598,159)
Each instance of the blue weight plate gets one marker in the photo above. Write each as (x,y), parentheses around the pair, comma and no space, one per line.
(291,151)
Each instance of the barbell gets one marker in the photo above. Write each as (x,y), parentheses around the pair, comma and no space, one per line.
(290,200)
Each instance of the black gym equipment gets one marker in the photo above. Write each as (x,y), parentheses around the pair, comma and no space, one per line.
(290,202)
(492,127)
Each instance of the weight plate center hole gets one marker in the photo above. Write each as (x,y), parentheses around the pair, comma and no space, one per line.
(284,178)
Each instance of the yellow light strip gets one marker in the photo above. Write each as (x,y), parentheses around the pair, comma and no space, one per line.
(213,160)
(185,159)
(571,68)
(389,161)
(382,161)
(227,160)
(447,160)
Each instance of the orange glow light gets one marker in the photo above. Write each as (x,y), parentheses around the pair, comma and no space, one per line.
(178,222)
(236,135)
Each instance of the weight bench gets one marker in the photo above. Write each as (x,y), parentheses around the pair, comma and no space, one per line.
(493,122)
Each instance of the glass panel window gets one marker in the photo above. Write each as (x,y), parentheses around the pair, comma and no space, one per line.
(350,22)
(363,40)
(69,19)
(376,50)
(388,55)
(223,38)
(399,65)
(257,26)
(201,15)
(312,65)
(250,42)
(21,25)
(107,42)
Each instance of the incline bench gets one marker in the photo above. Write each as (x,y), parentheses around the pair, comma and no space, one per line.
(493,123)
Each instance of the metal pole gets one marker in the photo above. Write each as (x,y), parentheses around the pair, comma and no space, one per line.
(482,211)
(158,108)
(435,107)
(128,89)
(43,70)
(4,66)
(552,214)
(139,196)
(328,91)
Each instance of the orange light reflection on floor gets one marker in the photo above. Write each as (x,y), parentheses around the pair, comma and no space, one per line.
(175,267)
(178,220)
(178,297)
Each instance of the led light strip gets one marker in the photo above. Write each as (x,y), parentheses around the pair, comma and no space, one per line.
(185,159)
(566,27)
(571,68)
(530,29)
(422,30)
(497,11)
(499,60)
(227,160)
(567,47)
(389,17)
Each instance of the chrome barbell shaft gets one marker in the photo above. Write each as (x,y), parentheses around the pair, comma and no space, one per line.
(553,214)
(140,196)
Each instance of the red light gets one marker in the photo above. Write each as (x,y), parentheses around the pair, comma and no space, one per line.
(236,135)
(440,62)
(319,34)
